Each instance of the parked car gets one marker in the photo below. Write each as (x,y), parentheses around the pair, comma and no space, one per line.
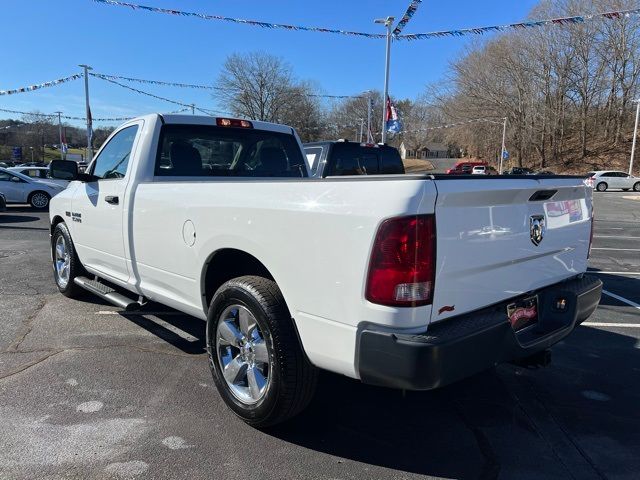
(465,168)
(544,172)
(19,188)
(519,171)
(480,170)
(3,203)
(366,276)
(603,180)
(39,173)
(342,157)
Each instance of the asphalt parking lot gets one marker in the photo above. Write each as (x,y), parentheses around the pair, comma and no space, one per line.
(87,392)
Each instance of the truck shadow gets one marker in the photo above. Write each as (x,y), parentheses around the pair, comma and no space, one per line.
(482,427)
(508,422)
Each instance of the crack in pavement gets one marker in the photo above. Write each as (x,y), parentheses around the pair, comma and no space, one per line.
(28,365)
(27,326)
(54,352)
(549,430)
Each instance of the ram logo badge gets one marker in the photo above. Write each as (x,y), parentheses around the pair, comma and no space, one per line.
(537,228)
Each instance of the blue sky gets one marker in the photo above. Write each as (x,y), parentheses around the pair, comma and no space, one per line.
(45,40)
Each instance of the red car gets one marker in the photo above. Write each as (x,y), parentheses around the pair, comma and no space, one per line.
(465,168)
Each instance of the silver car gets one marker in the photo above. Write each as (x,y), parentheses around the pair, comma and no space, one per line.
(39,173)
(19,188)
(603,180)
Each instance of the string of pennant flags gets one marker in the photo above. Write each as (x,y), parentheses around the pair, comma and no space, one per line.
(69,117)
(451,125)
(413,6)
(190,85)
(411,10)
(38,86)
(522,25)
(255,23)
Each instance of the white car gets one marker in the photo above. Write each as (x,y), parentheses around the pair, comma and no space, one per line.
(603,180)
(39,173)
(479,170)
(368,276)
(19,188)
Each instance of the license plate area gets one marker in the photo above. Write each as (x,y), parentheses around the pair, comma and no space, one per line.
(523,313)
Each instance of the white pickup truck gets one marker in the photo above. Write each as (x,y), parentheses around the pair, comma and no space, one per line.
(406,281)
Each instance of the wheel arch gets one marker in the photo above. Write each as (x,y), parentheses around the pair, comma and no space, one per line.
(55,221)
(225,264)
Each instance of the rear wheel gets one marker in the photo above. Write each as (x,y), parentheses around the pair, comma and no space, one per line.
(66,265)
(636,187)
(602,187)
(39,200)
(255,357)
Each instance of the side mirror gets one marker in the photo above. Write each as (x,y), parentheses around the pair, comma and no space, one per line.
(64,169)
(15,179)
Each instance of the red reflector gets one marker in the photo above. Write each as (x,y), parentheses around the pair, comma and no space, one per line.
(402,265)
(233,122)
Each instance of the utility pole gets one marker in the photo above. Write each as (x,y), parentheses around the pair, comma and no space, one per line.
(361,128)
(60,135)
(635,133)
(88,113)
(387,22)
(369,107)
(504,138)
(193,108)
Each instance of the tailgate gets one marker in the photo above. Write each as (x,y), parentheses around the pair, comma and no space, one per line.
(500,238)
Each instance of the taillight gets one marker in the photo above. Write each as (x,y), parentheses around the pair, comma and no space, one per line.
(402,265)
(233,122)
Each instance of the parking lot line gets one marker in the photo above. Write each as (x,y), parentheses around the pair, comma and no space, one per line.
(622,299)
(616,236)
(605,324)
(617,249)
(602,272)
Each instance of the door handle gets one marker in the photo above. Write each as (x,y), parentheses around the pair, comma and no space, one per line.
(112,199)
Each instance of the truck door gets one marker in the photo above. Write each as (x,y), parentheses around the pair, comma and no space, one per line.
(98,208)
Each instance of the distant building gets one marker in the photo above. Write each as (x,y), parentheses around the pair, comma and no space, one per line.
(428,151)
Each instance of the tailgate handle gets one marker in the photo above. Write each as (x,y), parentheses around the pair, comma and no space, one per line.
(541,195)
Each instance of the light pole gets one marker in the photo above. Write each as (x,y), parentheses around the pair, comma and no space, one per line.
(60,135)
(504,138)
(88,114)
(635,133)
(387,22)
(369,106)
(31,154)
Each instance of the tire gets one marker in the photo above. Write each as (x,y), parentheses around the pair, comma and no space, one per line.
(268,352)
(636,187)
(39,199)
(602,187)
(66,265)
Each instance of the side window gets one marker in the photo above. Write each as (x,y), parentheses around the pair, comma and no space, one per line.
(114,157)
(391,162)
(5,177)
(313,157)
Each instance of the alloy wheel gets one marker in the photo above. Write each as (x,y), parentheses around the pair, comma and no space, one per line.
(62,262)
(242,354)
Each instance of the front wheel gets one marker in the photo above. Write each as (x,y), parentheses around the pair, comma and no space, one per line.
(66,265)
(602,187)
(636,187)
(255,357)
(39,200)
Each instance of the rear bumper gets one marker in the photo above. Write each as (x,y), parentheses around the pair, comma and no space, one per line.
(462,346)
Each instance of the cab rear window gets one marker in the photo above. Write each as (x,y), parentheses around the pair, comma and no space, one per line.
(355,159)
(208,151)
